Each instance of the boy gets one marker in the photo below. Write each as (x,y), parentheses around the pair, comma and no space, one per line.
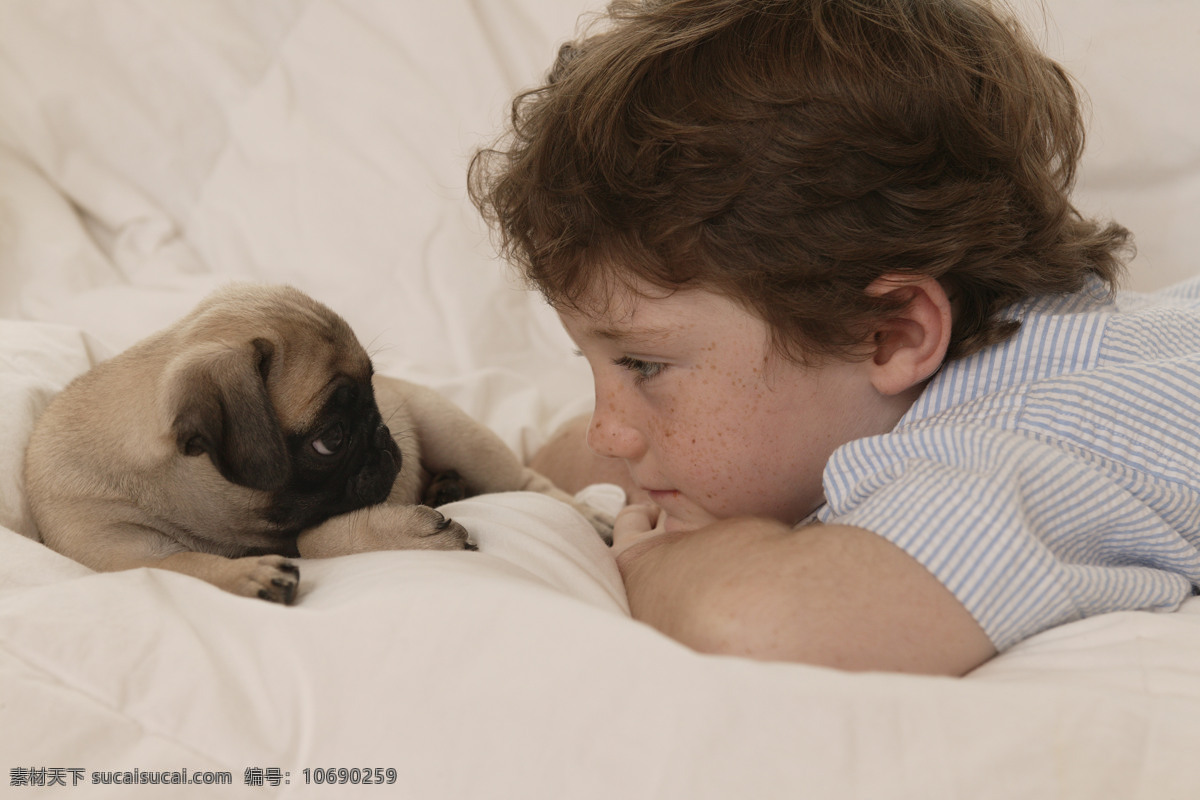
(863,359)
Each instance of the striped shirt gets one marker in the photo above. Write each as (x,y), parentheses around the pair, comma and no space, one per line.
(1053,476)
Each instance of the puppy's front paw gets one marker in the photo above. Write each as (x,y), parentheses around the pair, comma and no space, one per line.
(383,527)
(445,487)
(603,523)
(436,531)
(272,578)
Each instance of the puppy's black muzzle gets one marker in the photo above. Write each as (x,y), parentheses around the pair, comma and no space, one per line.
(374,480)
(360,474)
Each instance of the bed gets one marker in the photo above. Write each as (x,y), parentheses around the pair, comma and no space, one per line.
(151,152)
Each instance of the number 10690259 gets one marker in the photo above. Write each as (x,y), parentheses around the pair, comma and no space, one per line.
(351,775)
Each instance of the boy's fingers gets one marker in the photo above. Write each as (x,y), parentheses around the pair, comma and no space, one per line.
(635,523)
(634,519)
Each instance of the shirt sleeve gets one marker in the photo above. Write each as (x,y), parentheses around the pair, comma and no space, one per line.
(1027,533)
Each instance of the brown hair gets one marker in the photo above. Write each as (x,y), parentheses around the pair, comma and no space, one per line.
(787,153)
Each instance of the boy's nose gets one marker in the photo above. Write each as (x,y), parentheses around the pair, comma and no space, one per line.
(610,436)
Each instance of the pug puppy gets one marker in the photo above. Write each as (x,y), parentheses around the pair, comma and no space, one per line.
(251,432)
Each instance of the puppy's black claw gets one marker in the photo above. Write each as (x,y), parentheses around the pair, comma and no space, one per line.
(285,594)
(282,587)
(471,546)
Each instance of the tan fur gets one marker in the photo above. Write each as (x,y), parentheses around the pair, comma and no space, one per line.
(184,452)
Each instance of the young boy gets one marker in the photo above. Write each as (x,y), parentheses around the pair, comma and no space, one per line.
(864,361)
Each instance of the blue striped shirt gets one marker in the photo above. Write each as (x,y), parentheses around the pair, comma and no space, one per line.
(1053,476)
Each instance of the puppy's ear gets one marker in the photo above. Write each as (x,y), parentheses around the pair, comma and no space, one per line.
(221,407)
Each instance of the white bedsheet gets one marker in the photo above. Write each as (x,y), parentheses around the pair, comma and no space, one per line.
(151,151)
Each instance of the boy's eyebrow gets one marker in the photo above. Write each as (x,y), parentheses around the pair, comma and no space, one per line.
(632,334)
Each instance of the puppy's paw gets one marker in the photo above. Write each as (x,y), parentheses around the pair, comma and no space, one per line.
(436,531)
(603,523)
(445,487)
(600,521)
(272,578)
(383,527)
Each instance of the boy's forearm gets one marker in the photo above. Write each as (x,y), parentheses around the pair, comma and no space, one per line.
(829,595)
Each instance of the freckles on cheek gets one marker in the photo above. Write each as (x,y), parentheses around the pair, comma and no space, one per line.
(725,451)
(700,455)
(663,426)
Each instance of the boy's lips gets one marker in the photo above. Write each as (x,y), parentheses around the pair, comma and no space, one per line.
(660,495)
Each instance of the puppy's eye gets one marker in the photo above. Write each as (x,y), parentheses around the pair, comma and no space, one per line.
(331,441)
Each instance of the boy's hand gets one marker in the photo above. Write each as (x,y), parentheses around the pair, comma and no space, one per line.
(634,524)
(643,522)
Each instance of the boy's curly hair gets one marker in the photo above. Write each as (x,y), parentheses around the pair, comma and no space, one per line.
(787,153)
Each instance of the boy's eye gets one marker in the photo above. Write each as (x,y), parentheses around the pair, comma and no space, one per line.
(643,370)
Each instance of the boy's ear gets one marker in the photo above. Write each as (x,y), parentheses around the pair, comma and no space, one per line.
(910,346)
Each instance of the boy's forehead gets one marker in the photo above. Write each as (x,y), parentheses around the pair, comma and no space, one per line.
(632,316)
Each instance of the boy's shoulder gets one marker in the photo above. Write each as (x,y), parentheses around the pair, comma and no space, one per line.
(1070,442)
(1154,327)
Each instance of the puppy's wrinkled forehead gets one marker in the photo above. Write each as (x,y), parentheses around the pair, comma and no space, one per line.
(308,350)
(316,353)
